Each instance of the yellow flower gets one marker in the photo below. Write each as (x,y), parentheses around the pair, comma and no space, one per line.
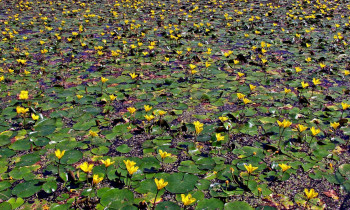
(22,61)
(345,105)
(284,124)
(132,169)
(346,72)
(286,90)
(246,101)
(236,61)
(160,183)
(192,66)
(103,80)
(107,162)
(298,69)
(223,118)
(301,128)
(59,154)
(164,154)
(2,78)
(86,167)
(308,59)
(219,137)
(304,84)
(35,117)
(308,45)
(131,110)
(322,65)
(335,125)
(198,126)
(250,168)
(284,167)
(96,179)
(240,95)
(252,87)
(193,71)
(240,74)
(129,163)
(21,110)
(316,81)
(93,133)
(23,95)
(80,96)
(149,117)
(315,131)
(187,200)
(161,112)
(147,108)
(133,75)
(310,194)
(112,97)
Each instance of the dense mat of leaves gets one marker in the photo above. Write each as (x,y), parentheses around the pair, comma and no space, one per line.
(174,104)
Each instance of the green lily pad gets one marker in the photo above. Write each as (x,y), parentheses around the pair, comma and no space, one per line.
(212,203)
(167,205)
(26,189)
(71,156)
(100,150)
(29,159)
(238,205)
(344,170)
(123,148)
(15,203)
(5,138)
(181,183)
(50,186)
(115,198)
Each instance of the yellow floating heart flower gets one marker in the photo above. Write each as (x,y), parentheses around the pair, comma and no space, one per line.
(23,95)
(310,194)
(240,96)
(301,128)
(335,125)
(133,75)
(246,101)
(252,87)
(219,137)
(131,110)
(147,108)
(104,80)
(96,179)
(345,105)
(284,167)
(316,81)
(149,117)
(160,183)
(223,118)
(187,199)
(298,69)
(250,168)
(86,167)
(198,126)
(304,84)
(35,117)
(285,123)
(107,162)
(164,154)
(112,97)
(315,131)
(59,154)
(21,110)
